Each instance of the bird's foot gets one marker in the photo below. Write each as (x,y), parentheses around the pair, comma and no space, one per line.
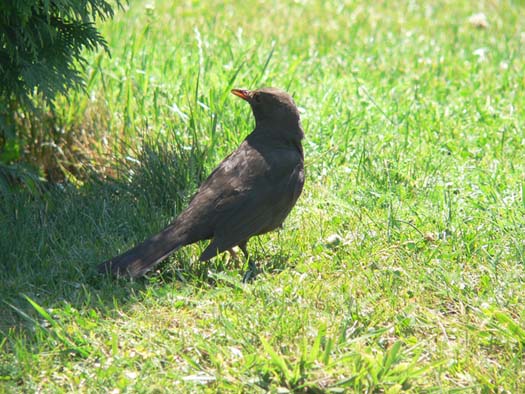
(251,272)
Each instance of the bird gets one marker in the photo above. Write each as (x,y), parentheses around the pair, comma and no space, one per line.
(249,193)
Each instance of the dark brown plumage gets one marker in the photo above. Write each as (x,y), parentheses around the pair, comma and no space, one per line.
(251,192)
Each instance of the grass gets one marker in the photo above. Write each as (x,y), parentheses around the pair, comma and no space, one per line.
(402,267)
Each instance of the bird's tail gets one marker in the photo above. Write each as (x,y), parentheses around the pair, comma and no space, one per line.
(143,257)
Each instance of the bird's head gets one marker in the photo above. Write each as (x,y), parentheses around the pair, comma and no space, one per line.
(271,107)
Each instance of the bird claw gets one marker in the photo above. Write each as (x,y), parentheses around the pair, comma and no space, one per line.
(251,272)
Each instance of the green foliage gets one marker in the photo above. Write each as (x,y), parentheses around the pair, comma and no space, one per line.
(41,55)
(41,44)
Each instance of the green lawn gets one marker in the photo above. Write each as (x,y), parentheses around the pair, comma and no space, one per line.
(401,269)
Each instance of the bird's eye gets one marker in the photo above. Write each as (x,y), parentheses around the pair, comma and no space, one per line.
(257,97)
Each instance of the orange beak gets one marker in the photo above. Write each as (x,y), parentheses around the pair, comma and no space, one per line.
(243,93)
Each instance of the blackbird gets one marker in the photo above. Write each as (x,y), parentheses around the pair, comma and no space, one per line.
(250,193)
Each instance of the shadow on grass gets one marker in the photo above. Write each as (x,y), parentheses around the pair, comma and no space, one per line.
(51,242)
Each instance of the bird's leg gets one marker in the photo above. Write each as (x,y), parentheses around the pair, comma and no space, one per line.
(233,254)
(252,270)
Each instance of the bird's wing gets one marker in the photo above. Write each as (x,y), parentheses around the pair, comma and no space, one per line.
(249,217)
(222,189)
(256,210)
